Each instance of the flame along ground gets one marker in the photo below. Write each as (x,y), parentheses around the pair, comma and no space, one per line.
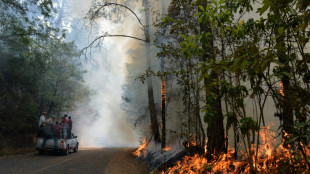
(267,158)
(141,148)
(168,148)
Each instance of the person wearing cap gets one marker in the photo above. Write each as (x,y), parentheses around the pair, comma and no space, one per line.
(42,119)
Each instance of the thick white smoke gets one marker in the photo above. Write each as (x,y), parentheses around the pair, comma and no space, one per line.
(101,122)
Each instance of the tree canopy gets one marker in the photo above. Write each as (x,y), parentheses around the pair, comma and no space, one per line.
(39,70)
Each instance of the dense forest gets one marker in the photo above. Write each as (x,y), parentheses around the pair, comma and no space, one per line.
(39,70)
(246,53)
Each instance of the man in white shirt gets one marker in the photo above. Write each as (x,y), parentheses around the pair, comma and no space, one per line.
(42,119)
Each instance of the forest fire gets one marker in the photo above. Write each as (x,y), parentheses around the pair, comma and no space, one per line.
(163,91)
(168,148)
(267,158)
(282,88)
(141,148)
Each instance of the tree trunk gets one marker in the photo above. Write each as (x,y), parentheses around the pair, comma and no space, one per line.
(215,130)
(163,97)
(154,122)
(163,113)
(287,108)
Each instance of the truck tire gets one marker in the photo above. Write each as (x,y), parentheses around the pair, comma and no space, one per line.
(76,147)
(67,151)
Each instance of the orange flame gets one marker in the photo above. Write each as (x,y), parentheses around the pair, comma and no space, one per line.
(142,148)
(282,88)
(266,159)
(163,90)
(168,148)
(189,164)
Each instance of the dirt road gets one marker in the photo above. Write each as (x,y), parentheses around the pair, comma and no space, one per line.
(105,160)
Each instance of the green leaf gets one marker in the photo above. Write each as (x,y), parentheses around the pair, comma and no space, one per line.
(291,140)
(202,18)
(183,36)
(287,74)
(201,8)
(281,30)
(265,7)
(278,62)
(300,125)
(241,22)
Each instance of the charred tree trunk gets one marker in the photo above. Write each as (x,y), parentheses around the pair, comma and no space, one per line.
(215,130)
(286,104)
(154,122)
(163,97)
(163,113)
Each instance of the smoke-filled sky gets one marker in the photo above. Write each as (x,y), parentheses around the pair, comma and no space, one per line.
(103,121)
(100,122)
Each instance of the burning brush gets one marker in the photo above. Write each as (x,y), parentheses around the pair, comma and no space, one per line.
(141,148)
(267,158)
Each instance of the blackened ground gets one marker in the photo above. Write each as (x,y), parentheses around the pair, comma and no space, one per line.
(105,160)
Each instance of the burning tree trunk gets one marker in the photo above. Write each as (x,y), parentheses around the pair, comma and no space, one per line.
(215,130)
(163,97)
(163,113)
(286,104)
(154,122)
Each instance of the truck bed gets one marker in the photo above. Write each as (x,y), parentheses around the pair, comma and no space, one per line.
(61,145)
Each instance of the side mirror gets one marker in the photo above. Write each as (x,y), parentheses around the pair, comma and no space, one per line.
(75,136)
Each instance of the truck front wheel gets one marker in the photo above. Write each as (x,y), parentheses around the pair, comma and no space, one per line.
(76,147)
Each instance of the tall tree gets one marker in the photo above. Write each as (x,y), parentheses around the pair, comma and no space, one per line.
(183,72)
(150,93)
(215,130)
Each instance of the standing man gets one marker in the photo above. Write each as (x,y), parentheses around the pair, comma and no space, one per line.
(64,123)
(70,127)
(57,130)
(53,122)
(47,132)
(42,119)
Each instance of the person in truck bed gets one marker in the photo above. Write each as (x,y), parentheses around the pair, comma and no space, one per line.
(65,125)
(42,119)
(47,132)
(57,130)
(69,126)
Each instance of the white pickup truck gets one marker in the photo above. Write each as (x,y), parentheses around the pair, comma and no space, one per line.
(61,145)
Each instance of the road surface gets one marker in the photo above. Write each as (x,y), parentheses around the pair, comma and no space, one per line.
(105,160)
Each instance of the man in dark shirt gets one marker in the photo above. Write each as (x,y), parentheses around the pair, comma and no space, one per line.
(70,127)
(57,129)
(47,132)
